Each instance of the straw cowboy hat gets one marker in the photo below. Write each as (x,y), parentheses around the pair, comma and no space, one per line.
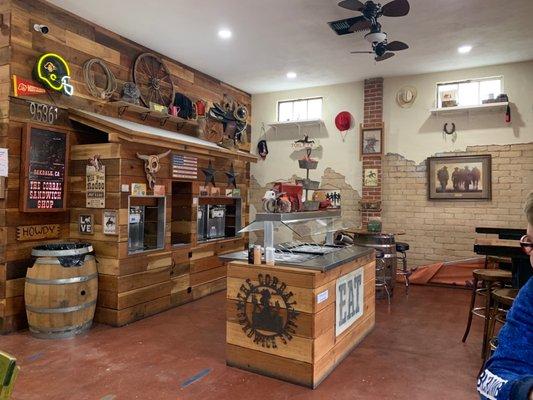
(406,96)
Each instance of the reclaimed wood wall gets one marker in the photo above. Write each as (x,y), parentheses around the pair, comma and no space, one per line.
(132,288)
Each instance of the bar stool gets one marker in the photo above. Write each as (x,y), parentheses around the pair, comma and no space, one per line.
(489,278)
(401,248)
(502,300)
(381,279)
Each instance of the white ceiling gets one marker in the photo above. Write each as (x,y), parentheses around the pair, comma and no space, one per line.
(272,37)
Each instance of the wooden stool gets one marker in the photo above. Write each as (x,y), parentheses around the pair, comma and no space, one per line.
(498,262)
(502,300)
(490,278)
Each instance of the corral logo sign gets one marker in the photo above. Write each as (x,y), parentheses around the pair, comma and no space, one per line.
(349,303)
(266,311)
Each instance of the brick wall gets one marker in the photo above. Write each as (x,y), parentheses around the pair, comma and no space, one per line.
(444,230)
(373,118)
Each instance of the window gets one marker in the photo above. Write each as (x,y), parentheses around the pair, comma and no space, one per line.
(300,109)
(471,92)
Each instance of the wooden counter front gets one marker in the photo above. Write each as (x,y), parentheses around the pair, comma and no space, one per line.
(282,321)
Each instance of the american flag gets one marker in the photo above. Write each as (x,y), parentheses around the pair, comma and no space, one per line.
(184,167)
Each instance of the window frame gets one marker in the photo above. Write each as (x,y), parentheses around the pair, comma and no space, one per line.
(306,99)
(438,105)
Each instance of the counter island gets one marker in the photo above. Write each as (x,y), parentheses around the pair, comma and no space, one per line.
(298,319)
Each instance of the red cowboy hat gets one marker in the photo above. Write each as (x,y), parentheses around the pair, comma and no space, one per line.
(343,121)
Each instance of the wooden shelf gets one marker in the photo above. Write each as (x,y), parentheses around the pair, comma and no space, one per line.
(299,124)
(145,112)
(467,109)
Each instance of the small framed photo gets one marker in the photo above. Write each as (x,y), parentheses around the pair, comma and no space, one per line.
(204,190)
(86,224)
(138,189)
(215,191)
(229,192)
(371,141)
(459,177)
(236,193)
(110,222)
(370,177)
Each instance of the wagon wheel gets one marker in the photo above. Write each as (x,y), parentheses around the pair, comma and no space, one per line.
(153,78)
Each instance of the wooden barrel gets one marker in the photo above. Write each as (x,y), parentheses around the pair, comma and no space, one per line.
(61,290)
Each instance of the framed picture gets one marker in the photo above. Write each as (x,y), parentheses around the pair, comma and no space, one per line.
(370,177)
(204,190)
(371,141)
(110,222)
(459,177)
(138,189)
(43,169)
(86,224)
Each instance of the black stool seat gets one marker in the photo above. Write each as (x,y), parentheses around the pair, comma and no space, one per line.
(402,247)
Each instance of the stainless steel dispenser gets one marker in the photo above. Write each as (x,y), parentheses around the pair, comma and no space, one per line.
(136,229)
(202,223)
(216,221)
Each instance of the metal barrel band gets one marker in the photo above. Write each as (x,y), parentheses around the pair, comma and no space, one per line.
(62,253)
(62,281)
(61,310)
(55,260)
(60,333)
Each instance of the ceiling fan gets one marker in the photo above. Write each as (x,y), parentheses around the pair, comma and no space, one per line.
(369,21)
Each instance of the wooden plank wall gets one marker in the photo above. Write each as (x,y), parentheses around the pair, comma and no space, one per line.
(189,272)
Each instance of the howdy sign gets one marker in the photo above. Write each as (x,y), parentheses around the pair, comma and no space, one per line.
(53,72)
(38,232)
(349,304)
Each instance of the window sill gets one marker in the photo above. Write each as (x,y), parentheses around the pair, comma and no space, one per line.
(466,109)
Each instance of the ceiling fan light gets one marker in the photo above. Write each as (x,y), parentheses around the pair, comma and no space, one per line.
(376,37)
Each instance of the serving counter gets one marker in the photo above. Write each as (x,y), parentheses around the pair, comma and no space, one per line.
(297,322)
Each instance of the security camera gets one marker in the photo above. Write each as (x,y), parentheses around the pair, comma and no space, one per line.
(41,28)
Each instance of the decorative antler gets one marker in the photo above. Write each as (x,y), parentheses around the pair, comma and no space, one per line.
(143,157)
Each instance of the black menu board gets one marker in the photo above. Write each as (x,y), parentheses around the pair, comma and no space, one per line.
(45,165)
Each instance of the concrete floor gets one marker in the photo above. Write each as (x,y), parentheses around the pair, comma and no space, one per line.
(415,352)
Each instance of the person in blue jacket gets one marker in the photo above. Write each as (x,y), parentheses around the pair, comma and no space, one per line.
(508,374)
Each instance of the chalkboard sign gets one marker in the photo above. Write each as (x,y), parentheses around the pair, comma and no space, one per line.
(44,163)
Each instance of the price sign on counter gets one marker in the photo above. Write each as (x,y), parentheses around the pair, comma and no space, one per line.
(45,158)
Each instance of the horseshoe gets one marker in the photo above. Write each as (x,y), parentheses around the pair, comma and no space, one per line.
(446,131)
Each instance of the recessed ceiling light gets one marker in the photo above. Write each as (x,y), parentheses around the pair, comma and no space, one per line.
(224,33)
(291,75)
(464,49)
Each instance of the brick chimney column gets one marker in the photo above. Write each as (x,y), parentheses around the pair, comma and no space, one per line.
(373,118)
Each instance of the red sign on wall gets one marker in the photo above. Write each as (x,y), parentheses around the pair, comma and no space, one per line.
(26,87)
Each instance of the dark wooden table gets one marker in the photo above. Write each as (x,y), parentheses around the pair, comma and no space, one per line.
(506,245)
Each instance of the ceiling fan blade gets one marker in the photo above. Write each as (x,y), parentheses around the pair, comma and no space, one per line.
(361,25)
(353,5)
(342,26)
(361,52)
(396,46)
(384,56)
(396,8)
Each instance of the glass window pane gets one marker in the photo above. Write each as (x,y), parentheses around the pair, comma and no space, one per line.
(447,93)
(490,89)
(300,110)
(468,94)
(285,111)
(314,109)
